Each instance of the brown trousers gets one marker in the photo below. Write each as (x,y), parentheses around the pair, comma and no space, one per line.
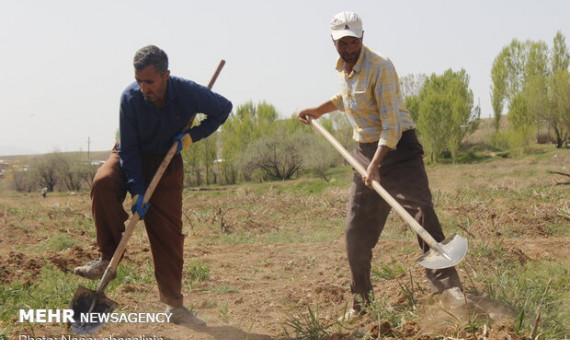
(163,220)
(403,175)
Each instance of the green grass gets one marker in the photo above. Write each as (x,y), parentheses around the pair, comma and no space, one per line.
(223,288)
(488,249)
(380,310)
(52,289)
(283,235)
(388,272)
(525,288)
(306,326)
(130,273)
(57,243)
(196,272)
(224,314)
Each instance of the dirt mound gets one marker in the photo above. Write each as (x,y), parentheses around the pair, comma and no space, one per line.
(18,266)
(330,293)
(68,259)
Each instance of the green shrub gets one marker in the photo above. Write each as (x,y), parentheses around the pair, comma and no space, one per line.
(197,271)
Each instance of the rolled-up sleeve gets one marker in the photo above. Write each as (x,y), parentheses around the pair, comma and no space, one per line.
(386,93)
(338,101)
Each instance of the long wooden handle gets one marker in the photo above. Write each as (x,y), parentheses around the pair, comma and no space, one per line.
(148,194)
(379,189)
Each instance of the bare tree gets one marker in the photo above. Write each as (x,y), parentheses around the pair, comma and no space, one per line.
(22,179)
(72,177)
(88,172)
(277,156)
(317,154)
(411,84)
(48,169)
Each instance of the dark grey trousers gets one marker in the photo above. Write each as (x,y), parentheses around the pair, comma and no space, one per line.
(403,175)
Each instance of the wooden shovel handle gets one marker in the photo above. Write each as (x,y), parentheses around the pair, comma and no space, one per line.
(117,256)
(379,189)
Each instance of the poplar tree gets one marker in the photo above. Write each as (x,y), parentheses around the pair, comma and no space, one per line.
(531,70)
(445,113)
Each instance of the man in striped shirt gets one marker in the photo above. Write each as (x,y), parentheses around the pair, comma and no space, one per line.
(389,150)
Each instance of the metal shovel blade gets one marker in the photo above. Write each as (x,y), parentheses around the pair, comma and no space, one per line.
(82,310)
(454,249)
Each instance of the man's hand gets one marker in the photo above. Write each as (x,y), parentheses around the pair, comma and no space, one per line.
(138,206)
(315,112)
(304,115)
(373,170)
(372,174)
(184,140)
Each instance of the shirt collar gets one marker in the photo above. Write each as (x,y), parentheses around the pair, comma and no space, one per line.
(340,63)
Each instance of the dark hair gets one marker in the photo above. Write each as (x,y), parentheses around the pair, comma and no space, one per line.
(151,55)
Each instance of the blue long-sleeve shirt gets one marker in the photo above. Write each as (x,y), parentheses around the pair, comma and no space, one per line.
(145,129)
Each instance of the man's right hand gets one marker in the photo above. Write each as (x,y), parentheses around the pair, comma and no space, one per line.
(304,115)
(315,112)
(184,141)
(138,206)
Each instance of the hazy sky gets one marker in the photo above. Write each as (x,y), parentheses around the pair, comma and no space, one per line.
(66,62)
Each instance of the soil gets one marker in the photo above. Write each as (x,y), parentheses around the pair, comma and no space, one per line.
(255,290)
(265,283)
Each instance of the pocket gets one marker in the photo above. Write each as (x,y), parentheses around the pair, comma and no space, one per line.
(360,98)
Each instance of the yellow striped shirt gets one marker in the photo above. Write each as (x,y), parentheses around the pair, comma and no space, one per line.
(370,95)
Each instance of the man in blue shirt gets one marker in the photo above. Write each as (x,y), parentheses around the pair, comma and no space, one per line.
(154,111)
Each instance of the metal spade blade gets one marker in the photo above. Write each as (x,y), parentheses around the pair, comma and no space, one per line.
(454,246)
(82,306)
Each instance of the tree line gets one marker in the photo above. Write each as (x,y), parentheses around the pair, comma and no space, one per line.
(530,85)
(53,171)
(255,145)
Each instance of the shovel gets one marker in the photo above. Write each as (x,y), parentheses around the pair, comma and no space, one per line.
(446,254)
(88,305)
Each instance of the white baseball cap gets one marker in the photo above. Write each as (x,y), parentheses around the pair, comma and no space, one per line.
(346,24)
